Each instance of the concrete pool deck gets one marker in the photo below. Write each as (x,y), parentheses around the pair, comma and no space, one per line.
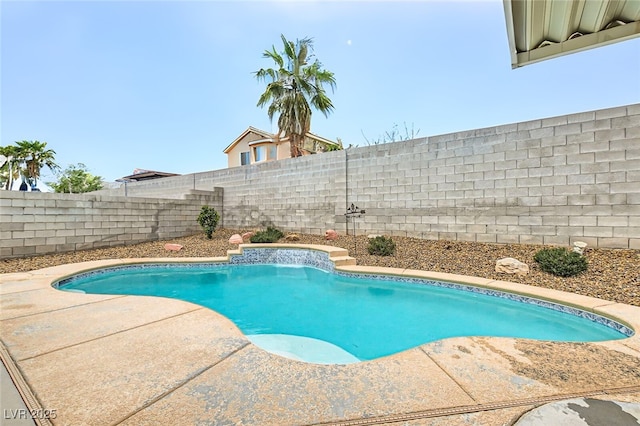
(132,360)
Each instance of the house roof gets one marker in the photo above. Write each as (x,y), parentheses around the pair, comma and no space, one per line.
(543,29)
(321,139)
(266,137)
(141,174)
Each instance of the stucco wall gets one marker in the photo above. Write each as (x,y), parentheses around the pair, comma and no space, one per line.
(233,156)
(38,223)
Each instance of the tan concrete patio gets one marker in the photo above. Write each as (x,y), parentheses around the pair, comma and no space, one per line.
(99,359)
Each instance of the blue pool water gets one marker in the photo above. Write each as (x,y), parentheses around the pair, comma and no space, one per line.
(369,318)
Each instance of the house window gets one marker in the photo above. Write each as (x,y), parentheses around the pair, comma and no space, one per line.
(244,158)
(273,152)
(260,152)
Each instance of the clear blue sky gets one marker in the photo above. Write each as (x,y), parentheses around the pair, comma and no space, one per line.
(165,85)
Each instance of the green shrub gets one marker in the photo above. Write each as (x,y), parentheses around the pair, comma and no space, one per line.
(381,246)
(208,219)
(561,262)
(270,235)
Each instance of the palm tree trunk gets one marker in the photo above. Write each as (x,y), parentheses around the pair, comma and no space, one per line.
(295,148)
(299,146)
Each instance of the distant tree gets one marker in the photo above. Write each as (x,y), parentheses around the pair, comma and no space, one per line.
(10,167)
(77,179)
(33,156)
(337,147)
(394,135)
(292,86)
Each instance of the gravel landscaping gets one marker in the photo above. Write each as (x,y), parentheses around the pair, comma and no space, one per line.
(612,274)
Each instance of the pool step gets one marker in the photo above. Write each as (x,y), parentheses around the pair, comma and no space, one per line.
(302,348)
(343,260)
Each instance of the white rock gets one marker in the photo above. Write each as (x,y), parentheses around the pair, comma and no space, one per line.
(509,265)
(579,246)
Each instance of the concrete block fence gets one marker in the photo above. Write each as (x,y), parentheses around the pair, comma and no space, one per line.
(547,181)
(35,223)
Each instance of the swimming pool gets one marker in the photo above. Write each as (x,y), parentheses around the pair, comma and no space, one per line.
(311,312)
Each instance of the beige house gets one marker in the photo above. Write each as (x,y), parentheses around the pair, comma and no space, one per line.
(256,146)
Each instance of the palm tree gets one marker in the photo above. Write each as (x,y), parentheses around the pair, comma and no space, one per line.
(10,170)
(33,155)
(292,87)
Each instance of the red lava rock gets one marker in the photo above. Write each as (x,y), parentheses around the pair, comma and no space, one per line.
(173,247)
(236,239)
(330,235)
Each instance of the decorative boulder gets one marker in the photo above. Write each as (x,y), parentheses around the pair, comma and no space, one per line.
(372,236)
(172,247)
(292,237)
(248,235)
(330,235)
(579,247)
(236,239)
(509,265)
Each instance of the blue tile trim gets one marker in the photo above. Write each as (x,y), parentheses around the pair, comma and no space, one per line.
(321,260)
(130,267)
(504,295)
(284,256)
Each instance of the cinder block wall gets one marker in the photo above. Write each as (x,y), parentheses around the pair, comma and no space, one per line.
(304,194)
(173,187)
(548,181)
(37,223)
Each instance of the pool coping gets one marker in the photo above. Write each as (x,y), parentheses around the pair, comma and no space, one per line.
(26,364)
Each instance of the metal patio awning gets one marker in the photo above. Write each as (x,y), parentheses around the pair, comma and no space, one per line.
(545,29)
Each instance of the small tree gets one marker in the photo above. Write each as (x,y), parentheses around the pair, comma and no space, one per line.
(208,219)
(77,179)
